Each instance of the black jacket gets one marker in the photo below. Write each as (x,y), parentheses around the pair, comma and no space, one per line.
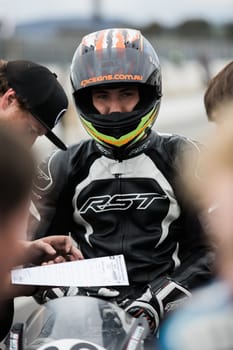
(131,207)
(6,317)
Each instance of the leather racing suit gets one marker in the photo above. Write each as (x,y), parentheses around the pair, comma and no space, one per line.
(131,205)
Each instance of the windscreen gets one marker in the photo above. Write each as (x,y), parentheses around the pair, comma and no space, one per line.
(86,318)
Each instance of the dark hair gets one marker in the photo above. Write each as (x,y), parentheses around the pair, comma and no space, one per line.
(16,173)
(4,86)
(38,91)
(219,89)
(3,81)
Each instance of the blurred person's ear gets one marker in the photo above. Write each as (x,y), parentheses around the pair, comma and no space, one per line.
(223,112)
(7,99)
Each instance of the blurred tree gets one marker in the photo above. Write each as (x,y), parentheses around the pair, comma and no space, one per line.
(153,29)
(228,29)
(195,28)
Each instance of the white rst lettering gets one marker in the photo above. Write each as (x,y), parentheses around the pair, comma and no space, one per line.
(120,202)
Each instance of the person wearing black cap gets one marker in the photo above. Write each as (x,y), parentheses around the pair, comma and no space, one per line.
(32,101)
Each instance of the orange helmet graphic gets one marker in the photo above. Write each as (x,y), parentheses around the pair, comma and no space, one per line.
(113,57)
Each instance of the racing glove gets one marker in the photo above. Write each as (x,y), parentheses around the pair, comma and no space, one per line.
(44,294)
(159,298)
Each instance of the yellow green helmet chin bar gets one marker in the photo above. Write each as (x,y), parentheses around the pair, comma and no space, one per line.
(135,135)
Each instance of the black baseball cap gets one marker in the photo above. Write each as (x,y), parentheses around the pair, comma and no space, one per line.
(39,87)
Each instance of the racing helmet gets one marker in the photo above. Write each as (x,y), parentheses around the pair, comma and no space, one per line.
(112,58)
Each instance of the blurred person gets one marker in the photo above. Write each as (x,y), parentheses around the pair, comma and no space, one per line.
(206,322)
(32,101)
(17,170)
(116,192)
(218,101)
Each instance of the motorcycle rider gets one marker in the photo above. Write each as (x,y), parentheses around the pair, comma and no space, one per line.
(117,193)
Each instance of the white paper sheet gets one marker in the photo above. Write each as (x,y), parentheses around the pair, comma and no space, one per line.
(106,271)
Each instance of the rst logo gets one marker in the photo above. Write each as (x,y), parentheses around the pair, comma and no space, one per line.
(120,202)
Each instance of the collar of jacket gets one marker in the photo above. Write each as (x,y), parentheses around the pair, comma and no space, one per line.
(127,152)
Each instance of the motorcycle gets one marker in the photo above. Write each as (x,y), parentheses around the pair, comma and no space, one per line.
(79,323)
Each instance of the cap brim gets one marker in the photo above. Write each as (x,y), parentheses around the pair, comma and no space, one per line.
(50,135)
(54,139)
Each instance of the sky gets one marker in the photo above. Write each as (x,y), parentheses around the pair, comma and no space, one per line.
(168,12)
